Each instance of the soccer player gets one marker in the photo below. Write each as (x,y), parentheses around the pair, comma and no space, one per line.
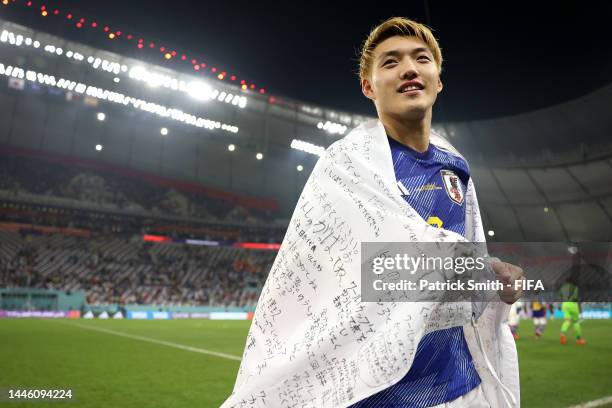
(385,179)
(571,311)
(538,315)
(400,70)
(514,319)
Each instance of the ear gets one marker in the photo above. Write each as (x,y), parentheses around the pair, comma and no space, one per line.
(440,85)
(366,89)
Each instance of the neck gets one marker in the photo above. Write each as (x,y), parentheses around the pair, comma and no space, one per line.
(413,133)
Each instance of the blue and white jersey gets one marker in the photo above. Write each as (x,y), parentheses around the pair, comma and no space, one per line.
(434,183)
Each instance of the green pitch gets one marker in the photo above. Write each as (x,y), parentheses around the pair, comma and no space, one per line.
(131,363)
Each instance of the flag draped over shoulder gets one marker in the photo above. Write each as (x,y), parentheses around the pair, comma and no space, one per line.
(312,342)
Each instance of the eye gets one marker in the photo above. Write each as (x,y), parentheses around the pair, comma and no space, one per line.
(424,56)
(388,61)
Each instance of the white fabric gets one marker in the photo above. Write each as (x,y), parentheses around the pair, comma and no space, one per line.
(312,342)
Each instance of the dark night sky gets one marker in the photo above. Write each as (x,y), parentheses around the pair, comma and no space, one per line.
(501,58)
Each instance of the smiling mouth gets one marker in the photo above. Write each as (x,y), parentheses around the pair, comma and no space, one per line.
(411,91)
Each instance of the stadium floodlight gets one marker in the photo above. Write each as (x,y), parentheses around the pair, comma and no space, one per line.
(199,90)
(491,233)
(231,148)
(259,156)
(332,127)
(117,98)
(99,147)
(101,116)
(163,131)
(300,167)
(307,147)
(116,80)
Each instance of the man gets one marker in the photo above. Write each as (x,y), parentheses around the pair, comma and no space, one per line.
(571,307)
(514,319)
(400,72)
(538,315)
(313,342)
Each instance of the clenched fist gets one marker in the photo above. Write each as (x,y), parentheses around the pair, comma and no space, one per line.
(508,274)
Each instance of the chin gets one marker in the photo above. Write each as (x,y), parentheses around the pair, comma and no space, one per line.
(413,112)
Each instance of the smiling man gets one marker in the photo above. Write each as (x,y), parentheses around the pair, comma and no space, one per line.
(313,341)
(399,71)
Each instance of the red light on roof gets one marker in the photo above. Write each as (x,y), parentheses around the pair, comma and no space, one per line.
(152,45)
(94,24)
(129,36)
(262,91)
(173,53)
(183,57)
(106,29)
(242,82)
(272,99)
(29,4)
(213,69)
(162,49)
(79,25)
(82,20)
(140,40)
(155,238)
(140,45)
(193,61)
(256,245)
(203,65)
(117,33)
(252,86)
(69,16)
(43,7)
(196,67)
(233,77)
(56,12)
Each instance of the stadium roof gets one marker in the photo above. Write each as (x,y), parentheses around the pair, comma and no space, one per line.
(503,60)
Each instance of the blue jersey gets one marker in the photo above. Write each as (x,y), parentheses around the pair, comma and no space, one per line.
(434,184)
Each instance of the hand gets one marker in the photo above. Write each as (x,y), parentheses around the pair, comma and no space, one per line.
(507,274)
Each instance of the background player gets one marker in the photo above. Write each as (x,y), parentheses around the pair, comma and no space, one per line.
(538,315)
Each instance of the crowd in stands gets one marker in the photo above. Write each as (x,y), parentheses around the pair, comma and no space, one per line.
(20,175)
(82,230)
(118,270)
(106,222)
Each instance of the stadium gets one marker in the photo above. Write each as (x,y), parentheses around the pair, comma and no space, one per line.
(143,203)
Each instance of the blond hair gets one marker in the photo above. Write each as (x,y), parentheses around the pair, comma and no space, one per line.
(393,26)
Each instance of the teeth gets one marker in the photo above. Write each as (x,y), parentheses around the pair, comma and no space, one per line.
(410,88)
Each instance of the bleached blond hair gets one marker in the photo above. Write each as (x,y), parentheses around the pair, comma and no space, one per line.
(391,27)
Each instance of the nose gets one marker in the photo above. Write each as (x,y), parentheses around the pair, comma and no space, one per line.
(408,69)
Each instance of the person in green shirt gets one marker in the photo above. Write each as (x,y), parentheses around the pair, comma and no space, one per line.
(571,307)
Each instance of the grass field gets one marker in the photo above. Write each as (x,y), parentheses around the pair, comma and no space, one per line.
(133,363)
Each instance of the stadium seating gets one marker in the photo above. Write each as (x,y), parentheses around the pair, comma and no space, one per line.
(121,270)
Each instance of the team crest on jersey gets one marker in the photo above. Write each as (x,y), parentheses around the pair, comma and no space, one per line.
(452,185)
